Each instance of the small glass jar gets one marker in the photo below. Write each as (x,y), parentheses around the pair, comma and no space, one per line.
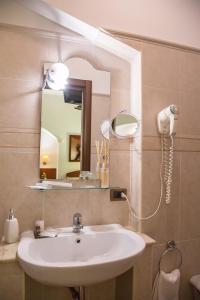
(105,176)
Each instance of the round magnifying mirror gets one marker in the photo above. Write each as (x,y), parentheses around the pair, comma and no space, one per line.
(124,125)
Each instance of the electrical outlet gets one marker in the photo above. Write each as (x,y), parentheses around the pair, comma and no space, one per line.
(115,194)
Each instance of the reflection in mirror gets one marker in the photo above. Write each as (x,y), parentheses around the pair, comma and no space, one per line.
(124,125)
(65,145)
(66,119)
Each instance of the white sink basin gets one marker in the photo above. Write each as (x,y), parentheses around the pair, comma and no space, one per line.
(97,254)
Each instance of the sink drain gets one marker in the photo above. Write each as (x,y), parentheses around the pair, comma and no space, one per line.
(77,241)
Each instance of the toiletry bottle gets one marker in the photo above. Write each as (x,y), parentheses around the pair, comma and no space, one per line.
(11,228)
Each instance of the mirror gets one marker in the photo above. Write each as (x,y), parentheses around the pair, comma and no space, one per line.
(124,125)
(65,143)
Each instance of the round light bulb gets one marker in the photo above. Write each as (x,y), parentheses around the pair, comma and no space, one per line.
(45,159)
(57,76)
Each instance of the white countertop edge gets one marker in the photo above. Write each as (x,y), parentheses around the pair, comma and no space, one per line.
(147,239)
(8,252)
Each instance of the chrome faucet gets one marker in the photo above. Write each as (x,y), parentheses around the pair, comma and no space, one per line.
(77,220)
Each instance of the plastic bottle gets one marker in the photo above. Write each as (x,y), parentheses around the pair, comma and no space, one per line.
(11,228)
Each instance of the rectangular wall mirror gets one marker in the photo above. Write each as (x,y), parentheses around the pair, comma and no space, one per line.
(66,118)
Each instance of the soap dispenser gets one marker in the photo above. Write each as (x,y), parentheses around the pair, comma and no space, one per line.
(11,228)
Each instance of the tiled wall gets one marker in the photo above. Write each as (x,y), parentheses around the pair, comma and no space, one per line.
(11,282)
(22,55)
(171,76)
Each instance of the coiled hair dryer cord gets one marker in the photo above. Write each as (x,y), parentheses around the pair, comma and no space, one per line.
(168,167)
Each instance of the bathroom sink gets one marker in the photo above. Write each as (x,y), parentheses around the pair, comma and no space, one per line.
(96,254)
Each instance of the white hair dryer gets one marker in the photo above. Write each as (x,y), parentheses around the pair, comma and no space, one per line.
(167,120)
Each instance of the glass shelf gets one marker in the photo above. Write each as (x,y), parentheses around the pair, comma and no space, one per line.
(59,188)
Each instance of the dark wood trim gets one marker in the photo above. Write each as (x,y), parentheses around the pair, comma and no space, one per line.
(48,173)
(73,174)
(86,87)
(86,121)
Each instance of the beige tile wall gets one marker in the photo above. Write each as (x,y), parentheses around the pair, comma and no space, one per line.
(22,55)
(171,75)
(11,282)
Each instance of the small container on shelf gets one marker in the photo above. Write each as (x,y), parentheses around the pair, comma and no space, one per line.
(104,175)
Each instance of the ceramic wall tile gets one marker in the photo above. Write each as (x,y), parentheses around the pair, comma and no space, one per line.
(142,285)
(122,144)
(190,263)
(100,112)
(120,168)
(136,44)
(20,104)
(190,266)
(190,144)
(189,72)
(19,169)
(18,139)
(22,54)
(155,100)
(155,143)
(189,114)
(189,193)
(160,66)
(11,282)
(94,205)
(168,216)
(169,75)
(120,101)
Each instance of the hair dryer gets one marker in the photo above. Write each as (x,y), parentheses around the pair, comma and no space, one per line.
(167,120)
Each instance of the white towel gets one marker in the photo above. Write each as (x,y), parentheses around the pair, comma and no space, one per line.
(166,286)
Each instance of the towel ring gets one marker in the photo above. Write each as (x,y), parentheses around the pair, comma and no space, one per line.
(171,246)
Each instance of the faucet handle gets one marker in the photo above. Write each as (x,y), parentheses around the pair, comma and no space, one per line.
(77,219)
